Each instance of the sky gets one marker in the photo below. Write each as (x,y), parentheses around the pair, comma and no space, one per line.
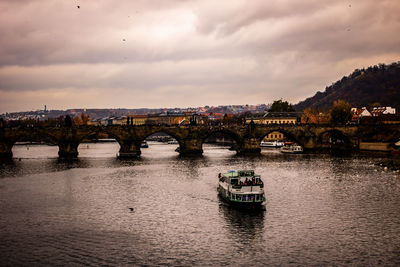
(185,53)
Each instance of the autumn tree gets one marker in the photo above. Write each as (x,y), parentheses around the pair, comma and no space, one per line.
(309,116)
(77,120)
(281,106)
(313,116)
(84,118)
(340,112)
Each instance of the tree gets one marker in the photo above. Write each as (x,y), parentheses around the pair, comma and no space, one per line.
(281,106)
(84,118)
(77,120)
(340,112)
(313,116)
(68,121)
(309,116)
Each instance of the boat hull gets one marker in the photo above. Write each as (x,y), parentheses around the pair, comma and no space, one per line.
(242,205)
(291,149)
(246,205)
(271,144)
(291,152)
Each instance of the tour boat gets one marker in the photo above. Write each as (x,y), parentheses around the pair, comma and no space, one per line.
(291,148)
(273,144)
(242,189)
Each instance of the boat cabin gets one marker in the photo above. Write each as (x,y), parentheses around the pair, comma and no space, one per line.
(237,179)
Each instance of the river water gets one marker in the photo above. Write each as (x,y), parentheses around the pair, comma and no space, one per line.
(320,209)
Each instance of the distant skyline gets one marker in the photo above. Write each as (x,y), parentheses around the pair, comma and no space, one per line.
(185,53)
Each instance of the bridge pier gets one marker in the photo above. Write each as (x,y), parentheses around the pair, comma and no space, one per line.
(68,150)
(249,146)
(309,143)
(190,147)
(129,150)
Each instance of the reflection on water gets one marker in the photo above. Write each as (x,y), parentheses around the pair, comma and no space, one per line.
(245,227)
(321,209)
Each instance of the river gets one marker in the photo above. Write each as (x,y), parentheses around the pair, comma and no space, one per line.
(320,209)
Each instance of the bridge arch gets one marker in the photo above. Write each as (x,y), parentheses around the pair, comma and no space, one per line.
(94,134)
(166,139)
(235,136)
(36,135)
(288,135)
(221,133)
(334,139)
(165,130)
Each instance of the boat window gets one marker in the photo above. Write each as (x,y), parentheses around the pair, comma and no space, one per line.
(246,173)
(234,181)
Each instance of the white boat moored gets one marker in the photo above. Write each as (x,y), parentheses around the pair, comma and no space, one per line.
(272,144)
(291,148)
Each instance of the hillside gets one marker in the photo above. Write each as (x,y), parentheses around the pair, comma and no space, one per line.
(376,85)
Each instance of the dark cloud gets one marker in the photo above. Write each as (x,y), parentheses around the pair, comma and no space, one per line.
(213,51)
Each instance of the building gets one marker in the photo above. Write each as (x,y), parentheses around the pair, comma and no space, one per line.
(215,116)
(137,119)
(358,113)
(378,111)
(110,121)
(94,122)
(274,136)
(169,119)
(276,118)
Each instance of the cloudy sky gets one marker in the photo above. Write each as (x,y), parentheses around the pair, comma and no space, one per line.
(181,53)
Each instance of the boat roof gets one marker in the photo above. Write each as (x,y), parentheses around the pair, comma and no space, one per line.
(239,173)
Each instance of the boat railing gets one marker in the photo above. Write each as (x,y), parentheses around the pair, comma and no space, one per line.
(248,188)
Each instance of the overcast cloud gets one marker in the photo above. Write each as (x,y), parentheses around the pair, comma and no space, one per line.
(180,53)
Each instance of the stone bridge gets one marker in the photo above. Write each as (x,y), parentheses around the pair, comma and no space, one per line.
(191,138)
